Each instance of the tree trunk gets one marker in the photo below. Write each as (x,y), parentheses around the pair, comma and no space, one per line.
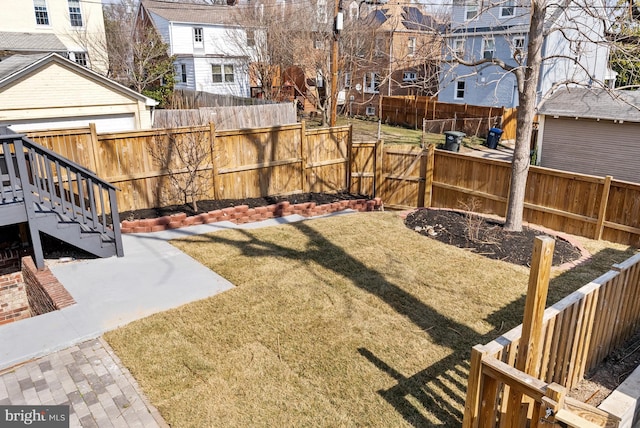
(527,100)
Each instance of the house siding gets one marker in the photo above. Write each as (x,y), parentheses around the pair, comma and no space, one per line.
(73,98)
(18,16)
(591,147)
(497,91)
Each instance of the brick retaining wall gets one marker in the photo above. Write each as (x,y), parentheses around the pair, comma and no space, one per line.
(243,214)
(14,305)
(44,291)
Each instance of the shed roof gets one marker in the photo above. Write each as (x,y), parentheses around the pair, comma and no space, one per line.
(593,104)
(31,42)
(193,13)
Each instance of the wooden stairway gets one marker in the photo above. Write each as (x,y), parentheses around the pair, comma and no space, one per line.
(58,197)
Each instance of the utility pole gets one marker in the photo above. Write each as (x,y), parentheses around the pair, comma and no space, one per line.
(337,27)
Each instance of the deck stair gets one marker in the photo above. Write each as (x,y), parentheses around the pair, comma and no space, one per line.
(57,197)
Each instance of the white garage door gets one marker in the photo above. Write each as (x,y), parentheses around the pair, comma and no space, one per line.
(114,123)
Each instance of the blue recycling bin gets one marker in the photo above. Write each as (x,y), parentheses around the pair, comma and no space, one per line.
(493,137)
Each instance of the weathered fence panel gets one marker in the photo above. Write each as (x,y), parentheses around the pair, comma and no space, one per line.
(238,117)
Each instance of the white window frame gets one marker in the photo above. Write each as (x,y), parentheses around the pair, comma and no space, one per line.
(41,11)
(371,83)
(471,10)
(198,37)
(75,13)
(489,41)
(507,9)
(409,76)
(318,44)
(81,58)
(183,73)
(458,47)
(518,40)
(347,79)
(225,71)
(460,89)
(411,44)
(370,111)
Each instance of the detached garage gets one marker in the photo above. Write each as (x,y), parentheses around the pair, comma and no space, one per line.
(47,91)
(591,131)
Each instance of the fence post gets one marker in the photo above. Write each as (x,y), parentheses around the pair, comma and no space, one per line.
(214,158)
(303,157)
(530,349)
(604,200)
(378,179)
(349,166)
(428,178)
(474,388)
(93,147)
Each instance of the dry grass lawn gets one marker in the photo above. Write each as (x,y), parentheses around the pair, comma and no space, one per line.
(344,321)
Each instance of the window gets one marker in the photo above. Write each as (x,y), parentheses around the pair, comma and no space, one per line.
(222,73)
(518,46)
(471,10)
(321,12)
(75,13)
(411,44)
(42,16)
(372,83)
(460,87)
(197,35)
(371,111)
(507,9)
(347,79)
(458,47)
(80,58)
(318,44)
(489,48)
(183,73)
(251,38)
(409,76)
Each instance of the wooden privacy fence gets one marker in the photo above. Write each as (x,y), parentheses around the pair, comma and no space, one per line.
(411,110)
(240,163)
(573,337)
(237,117)
(584,205)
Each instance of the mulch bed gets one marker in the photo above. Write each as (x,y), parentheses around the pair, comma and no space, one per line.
(485,236)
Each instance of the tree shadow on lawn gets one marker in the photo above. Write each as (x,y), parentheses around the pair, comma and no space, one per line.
(439,389)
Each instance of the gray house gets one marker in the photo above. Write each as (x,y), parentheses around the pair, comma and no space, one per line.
(574,55)
(591,131)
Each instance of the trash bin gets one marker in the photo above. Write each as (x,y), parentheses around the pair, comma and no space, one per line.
(452,140)
(493,137)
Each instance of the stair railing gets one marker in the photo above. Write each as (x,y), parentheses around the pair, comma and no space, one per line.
(51,182)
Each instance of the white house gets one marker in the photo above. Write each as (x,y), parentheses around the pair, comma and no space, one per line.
(575,50)
(48,91)
(72,28)
(212,50)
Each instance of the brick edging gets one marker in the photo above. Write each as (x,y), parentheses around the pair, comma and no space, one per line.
(243,214)
(584,254)
(44,291)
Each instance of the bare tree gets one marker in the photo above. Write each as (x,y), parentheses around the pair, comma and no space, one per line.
(185,157)
(580,25)
(138,58)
